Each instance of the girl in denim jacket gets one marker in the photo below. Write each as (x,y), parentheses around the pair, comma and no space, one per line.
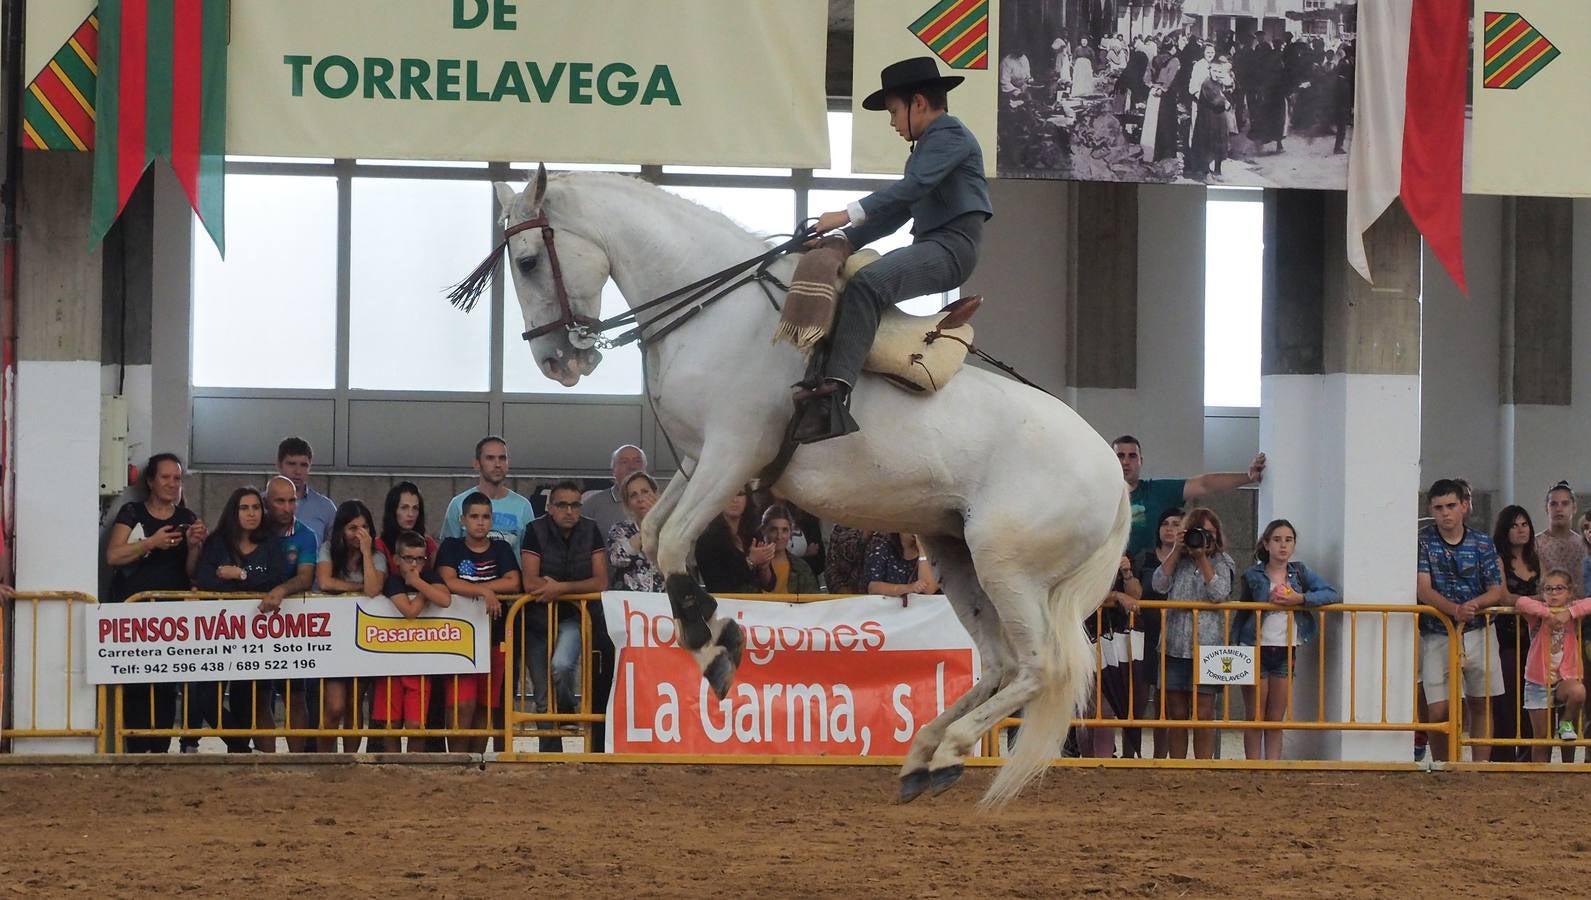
(1277,579)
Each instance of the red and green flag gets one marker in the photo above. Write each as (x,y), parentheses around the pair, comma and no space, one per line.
(1515,51)
(957,31)
(161,93)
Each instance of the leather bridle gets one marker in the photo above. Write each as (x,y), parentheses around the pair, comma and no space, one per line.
(567,318)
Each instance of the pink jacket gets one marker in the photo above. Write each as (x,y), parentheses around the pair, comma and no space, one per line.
(1536,663)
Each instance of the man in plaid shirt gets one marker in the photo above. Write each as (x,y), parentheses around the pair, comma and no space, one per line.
(1459,574)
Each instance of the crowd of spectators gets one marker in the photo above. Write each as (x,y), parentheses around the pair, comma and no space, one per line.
(492,544)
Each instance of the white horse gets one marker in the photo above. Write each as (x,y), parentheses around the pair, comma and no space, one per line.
(1020,503)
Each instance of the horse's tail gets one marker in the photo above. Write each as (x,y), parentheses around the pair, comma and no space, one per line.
(1067,676)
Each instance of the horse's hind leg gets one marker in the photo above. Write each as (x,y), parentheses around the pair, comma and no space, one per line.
(977,615)
(652,525)
(716,643)
(1021,600)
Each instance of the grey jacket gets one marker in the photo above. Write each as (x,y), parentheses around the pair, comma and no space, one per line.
(944,179)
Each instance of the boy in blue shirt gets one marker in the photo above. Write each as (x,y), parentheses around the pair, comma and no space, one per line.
(945,195)
(478,565)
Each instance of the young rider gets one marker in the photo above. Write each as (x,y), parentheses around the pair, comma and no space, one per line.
(946,196)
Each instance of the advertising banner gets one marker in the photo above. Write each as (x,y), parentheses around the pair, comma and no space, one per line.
(1532,62)
(321,637)
(711,82)
(852,677)
(961,37)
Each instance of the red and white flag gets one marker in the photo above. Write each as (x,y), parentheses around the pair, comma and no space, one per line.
(1410,50)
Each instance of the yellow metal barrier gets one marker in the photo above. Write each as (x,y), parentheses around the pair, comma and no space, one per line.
(34,601)
(1355,719)
(518,720)
(260,726)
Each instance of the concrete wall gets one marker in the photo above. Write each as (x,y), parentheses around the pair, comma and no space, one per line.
(1546,443)
(1022,275)
(1461,426)
(1170,419)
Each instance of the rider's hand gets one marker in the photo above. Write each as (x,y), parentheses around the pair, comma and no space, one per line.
(831,220)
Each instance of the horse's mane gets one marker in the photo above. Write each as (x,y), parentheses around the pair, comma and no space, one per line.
(634,183)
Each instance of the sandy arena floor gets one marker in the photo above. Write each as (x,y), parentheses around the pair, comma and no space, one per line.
(609,830)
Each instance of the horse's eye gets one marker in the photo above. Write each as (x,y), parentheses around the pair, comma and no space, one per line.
(527,264)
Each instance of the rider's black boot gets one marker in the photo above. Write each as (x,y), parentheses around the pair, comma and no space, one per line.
(823,412)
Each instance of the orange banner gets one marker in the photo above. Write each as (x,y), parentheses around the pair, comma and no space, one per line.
(854,677)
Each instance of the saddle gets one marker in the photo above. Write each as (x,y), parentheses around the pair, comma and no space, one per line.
(916,353)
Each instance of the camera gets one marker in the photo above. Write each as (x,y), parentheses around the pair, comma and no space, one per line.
(1198,538)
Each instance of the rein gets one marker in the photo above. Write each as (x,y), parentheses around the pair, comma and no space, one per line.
(586,332)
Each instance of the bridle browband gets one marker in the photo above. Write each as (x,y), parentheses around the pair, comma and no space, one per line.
(584,331)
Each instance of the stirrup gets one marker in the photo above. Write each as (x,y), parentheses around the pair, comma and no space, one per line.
(806,391)
(825,416)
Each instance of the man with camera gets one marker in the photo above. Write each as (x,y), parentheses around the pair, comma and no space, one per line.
(1153,496)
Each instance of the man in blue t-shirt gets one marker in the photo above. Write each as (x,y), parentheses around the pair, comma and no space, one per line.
(1458,573)
(511,512)
(1153,496)
(298,541)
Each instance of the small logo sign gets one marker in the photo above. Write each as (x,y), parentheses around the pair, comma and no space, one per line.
(1515,51)
(1224,664)
(957,31)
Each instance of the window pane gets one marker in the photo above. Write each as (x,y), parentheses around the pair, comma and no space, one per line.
(419,163)
(840,151)
(763,211)
(724,170)
(579,167)
(280,273)
(823,201)
(839,147)
(411,238)
(619,373)
(279,159)
(1233,263)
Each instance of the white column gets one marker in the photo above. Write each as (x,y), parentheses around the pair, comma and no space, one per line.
(57,500)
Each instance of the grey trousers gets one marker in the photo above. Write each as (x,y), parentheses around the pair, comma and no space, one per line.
(940,260)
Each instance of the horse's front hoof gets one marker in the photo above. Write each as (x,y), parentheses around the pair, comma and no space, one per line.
(720,675)
(942,780)
(733,639)
(912,785)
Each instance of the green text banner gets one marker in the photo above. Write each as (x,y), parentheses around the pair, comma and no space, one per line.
(719,82)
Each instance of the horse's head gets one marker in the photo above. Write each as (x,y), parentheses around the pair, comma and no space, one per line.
(558,273)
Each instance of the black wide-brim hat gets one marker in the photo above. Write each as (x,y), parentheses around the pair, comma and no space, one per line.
(917,72)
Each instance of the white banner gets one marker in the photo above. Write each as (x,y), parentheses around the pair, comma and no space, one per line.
(1223,664)
(710,82)
(853,677)
(321,637)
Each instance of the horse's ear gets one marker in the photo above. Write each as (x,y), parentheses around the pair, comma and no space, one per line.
(538,186)
(506,195)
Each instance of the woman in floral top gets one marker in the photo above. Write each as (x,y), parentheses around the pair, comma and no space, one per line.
(842,569)
(632,571)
